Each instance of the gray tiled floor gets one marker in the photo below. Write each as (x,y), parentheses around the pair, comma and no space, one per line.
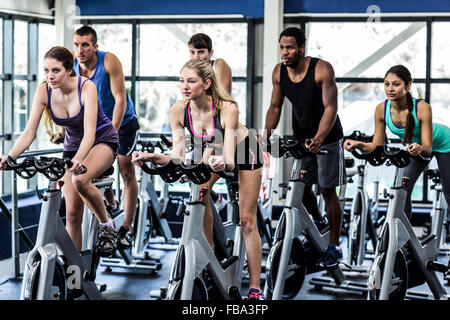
(125,284)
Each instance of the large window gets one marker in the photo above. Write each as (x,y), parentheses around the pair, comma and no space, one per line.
(440,64)
(361,49)
(30,40)
(163,50)
(117,39)
(152,69)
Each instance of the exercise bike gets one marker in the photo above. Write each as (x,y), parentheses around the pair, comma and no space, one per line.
(401,260)
(54,269)
(197,274)
(363,214)
(298,244)
(150,225)
(438,221)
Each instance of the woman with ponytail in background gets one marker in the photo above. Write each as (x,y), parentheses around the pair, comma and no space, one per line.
(90,140)
(411,120)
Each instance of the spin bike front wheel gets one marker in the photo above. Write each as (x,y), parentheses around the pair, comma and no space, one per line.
(399,279)
(59,287)
(199,291)
(355,231)
(296,270)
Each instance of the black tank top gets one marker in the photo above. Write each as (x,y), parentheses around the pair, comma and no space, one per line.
(307,105)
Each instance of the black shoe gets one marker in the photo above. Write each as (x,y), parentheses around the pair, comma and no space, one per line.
(106,242)
(331,257)
(113,210)
(124,238)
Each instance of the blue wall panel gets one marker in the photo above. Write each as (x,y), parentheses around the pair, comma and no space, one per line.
(360,6)
(248,8)
(253,8)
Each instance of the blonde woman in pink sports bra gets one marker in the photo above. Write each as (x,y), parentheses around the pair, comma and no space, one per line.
(210,114)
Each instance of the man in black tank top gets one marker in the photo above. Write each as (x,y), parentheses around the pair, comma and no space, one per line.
(310,85)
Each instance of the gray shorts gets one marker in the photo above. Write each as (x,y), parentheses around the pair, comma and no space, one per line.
(328,171)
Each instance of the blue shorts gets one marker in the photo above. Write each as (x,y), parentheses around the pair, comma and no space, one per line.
(128,134)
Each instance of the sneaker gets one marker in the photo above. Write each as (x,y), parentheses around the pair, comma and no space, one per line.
(321,224)
(106,242)
(124,238)
(331,257)
(220,203)
(255,294)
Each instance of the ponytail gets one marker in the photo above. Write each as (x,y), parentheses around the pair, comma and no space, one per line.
(50,126)
(410,123)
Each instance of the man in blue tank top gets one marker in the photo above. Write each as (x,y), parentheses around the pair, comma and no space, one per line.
(310,85)
(105,70)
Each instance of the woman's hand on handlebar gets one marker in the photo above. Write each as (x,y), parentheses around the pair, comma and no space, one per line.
(351,145)
(77,167)
(216,163)
(3,162)
(138,157)
(414,149)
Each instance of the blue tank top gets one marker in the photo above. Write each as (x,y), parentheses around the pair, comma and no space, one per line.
(441,133)
(74,126)
(104,94)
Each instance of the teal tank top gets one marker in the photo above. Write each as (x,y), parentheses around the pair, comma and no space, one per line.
(441,133)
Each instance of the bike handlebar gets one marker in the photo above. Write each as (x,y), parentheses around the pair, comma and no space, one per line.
(288,147)
(174,170)
(51,167)
(359,136)
(396,156)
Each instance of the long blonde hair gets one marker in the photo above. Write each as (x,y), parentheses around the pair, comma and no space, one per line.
(64,56)
(205,71)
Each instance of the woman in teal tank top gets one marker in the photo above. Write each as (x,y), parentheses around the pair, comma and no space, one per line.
(411,121)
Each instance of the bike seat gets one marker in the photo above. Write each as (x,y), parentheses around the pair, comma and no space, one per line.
(349,162)
(432,173)
(107,173)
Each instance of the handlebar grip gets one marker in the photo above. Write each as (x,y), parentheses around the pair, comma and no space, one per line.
(165,140)
(225,174)
(10,162)
(69,164)
(149,170)
(60,139)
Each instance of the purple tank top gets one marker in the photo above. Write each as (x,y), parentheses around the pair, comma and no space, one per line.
(74,126)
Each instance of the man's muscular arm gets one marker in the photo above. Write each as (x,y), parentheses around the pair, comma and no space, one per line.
(325,78)
(114,69)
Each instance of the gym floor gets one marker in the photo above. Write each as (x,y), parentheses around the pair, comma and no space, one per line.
(123,284)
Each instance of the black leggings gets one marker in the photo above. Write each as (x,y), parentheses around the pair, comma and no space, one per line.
(416,167)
